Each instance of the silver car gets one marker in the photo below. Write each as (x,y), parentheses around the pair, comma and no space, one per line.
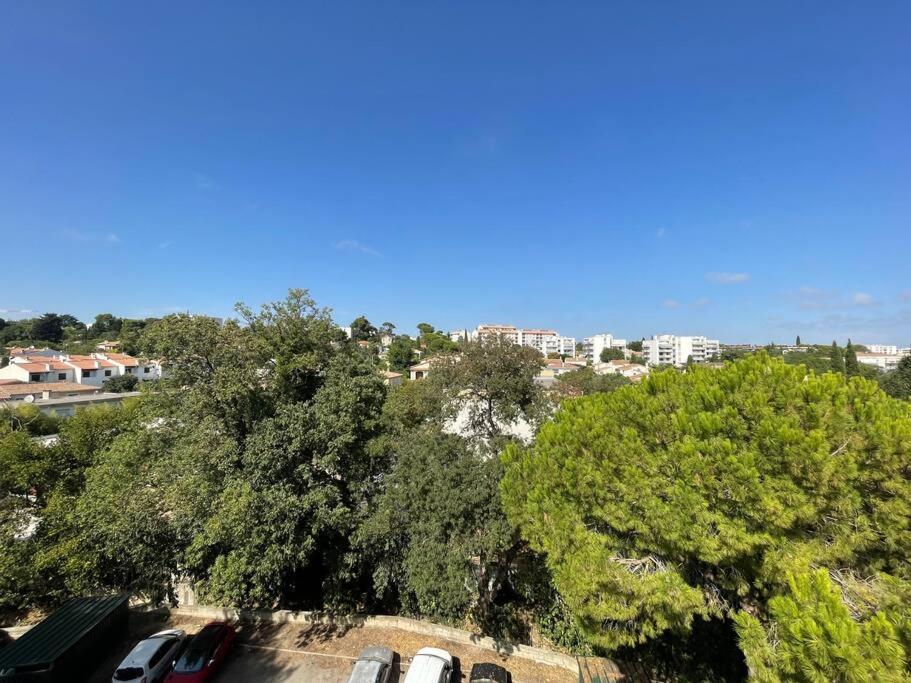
(151,659)
(373,666)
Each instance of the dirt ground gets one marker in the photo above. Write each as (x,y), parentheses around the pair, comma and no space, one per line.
(292,653)
(350,641)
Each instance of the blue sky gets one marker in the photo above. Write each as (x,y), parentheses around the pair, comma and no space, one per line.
(741,170)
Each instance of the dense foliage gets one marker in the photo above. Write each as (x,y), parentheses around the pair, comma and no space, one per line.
(755,515)
(66,333)
(711,493)
(272,467)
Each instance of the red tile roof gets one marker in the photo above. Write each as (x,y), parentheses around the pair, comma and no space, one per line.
(88,363)
(123,359)
(27,388)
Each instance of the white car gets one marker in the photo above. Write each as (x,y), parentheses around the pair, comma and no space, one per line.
(152,658)
(430,665)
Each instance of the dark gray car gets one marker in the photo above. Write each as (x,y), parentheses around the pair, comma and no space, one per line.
(373,666)
(488,673)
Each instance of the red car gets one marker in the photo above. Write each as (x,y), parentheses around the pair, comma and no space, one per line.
(204,654)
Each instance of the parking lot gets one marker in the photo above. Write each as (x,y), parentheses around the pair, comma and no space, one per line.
(294,653)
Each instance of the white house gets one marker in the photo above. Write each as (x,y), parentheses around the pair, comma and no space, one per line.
(93,369)
(594,345)
(38,369)
(670,349)
(143,369)
(419,371)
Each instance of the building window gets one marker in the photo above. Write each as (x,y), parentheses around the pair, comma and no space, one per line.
(34,377)
(107,373)
(87,373)
(147,370)
(128,371)
(61,376)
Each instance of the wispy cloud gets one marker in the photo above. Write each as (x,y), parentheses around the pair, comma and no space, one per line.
(814,298)
(727,278)
(905,295)
(204,182)
(16,311)
(661,233)
(670,303)
(354,245)
(884,328)
(165,245)
(702,302)
(481,145)
(89,237)
(863,299)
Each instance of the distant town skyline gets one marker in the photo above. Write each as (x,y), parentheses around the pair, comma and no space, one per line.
(735,171)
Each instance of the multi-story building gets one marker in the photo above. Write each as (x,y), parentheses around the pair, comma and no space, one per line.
(564,346)
(670,349)
(545,341)
(887,349)
(593,346)
(510,332)
(883,361)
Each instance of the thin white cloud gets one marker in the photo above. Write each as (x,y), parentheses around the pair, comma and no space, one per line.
(727,278)
(702,302)
(89,237)
(204,182)
(815,299)
(905,295)
(16,311)
(354,245)
(863,299)
(165,245)
(661,233)
(670,303)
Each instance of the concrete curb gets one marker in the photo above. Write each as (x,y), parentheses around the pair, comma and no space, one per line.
(455,635)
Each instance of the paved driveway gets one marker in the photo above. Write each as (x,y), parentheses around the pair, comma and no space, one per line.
(247,664)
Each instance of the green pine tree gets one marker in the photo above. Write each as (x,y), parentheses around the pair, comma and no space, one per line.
(852,367)
(837,359)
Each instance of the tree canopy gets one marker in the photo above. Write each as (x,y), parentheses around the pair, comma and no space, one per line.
(703,493)
(609,354)
(897,383)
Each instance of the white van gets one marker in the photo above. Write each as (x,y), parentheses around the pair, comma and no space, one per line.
(430,665)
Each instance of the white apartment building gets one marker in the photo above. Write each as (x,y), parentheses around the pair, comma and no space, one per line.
(545,341)
(564,346)
(670,349)
(510,332)
(884,361)
(886,349)
(593,346)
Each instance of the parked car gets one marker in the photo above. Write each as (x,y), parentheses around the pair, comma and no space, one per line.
(488,673)
(430,665)
(151,659)
(204,654)
(373,666)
